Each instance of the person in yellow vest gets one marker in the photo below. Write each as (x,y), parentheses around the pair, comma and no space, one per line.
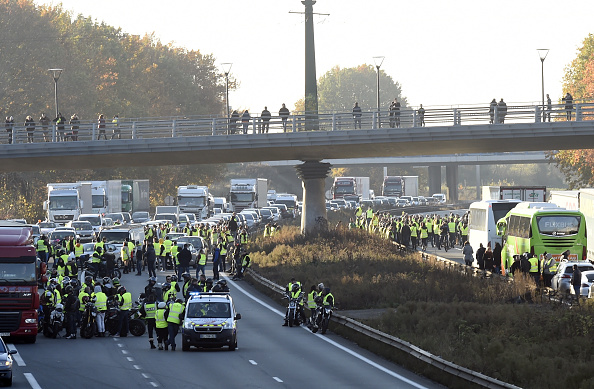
(132,252)
(159,260)
(223,256)
(311,303)
(101,244)
(175,316)
(174,252)
(243,238)
(71,268)
(42,248)
(413,235)
(84,292)
(148,309)
(534,269)
(126,257)
(200,263)
(548,267)
(464,229)
(101,305)
(424,235)
(125,301)
(166,252)
(267,230)
(161,325)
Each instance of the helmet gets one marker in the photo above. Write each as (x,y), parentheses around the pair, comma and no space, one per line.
(161,305)
(61,252)
(106,280)
(88,279)
(115,281)
(98,249)
(186,276)
(326,290)
(66,280)
(295,288)
(165,287)
(321,286)
(222,282)
(74,282)
(179,301)
(209,281)
(68,289)
(53,281)
(153,280)
(59,307)
(85,299)
(174,278)
(121,290)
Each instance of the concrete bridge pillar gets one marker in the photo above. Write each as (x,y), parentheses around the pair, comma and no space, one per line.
(434,179)
(313,174)
(452,181)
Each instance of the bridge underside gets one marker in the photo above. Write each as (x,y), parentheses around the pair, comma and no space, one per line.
(304,146)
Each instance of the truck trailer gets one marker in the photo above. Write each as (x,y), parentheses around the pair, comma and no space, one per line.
(524,193)
(248,193)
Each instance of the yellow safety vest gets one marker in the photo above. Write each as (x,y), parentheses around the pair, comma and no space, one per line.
(101,301)
(175,311)
(311,296)
(127,298)
(202,260)
(160,321)
(533,265)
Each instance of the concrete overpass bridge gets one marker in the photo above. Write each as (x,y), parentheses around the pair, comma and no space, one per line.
(158,142)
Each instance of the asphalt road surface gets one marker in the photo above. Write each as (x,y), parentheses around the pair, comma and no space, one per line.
(268,356)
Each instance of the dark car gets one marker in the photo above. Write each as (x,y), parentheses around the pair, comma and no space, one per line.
(6,363)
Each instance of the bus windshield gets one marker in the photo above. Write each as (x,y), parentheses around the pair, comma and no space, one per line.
(558,225)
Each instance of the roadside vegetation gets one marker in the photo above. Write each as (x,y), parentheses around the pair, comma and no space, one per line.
(501,329)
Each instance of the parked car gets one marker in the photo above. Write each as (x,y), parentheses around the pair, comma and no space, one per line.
(275,212)
(117,217)
(586,286)
(83,229)
(140,217)
(45,228)
(561,281)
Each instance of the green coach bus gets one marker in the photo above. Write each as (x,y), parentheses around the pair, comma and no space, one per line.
(537,228)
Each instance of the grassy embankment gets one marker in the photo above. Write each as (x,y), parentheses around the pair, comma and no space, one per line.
(467,320)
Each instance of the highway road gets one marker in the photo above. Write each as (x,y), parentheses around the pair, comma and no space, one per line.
(268,356)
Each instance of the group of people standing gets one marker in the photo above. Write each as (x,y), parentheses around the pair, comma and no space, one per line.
(263,125)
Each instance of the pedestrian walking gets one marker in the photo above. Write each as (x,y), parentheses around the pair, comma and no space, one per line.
(284,115)
(467,251)
(357,115)
(30,127)
(576,282)
(175,315)
(421,114)
(265,115)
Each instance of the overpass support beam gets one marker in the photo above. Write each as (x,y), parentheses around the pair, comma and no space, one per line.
(313,216)
(434,179)
(452,181)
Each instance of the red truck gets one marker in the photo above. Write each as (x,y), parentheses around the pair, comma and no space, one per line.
(19,272)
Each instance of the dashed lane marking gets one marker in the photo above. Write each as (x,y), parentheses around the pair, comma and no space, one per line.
(137,367)
(125,352)
(277,379)
(339,346)
(154,384)
(130,359)
(253,362)
(17,357)
(32,381)
(146,375)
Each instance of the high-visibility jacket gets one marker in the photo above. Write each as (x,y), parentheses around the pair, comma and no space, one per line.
(81,295)
(369,213)
(96,258)
(413,231)
(100,244)
(311,296)
(452,227)
(533,264)
(424,232)
(214,237)
(167,243)
(247,261)
(41,245)
(174,249)
(325,300)
(150,309)
(202,259)
(464,230)
(175,313)
(131,247)
(157,246)
(78,250)
(101,301)
(358,213)
(126,301)
(243,238)
(160,321)
(125,252)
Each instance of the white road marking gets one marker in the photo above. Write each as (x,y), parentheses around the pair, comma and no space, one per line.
(253,362)
(124,352)
(154,384)
(277,379)
(32,381)
(146,375)
(120,345)
(345,349)
(130,359)
(17,357)
(137,367)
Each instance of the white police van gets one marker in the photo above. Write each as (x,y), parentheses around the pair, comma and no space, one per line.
(210,321)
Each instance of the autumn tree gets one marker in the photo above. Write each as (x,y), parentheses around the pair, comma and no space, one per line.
(578,165)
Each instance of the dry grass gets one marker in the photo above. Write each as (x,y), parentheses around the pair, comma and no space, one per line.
(465,319)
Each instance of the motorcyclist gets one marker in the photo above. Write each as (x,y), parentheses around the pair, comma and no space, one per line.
(150,289)
(327,298)
(295,293)
(70,309)
(221,287)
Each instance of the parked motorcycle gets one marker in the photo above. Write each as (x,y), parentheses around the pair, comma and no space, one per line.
(136,326)
(294,311)
(322,317)
(88,325)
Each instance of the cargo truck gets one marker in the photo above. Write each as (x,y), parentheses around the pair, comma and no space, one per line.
(195,199)
(397,186)
(248,193)
(351,188)
(19,271)
(524,193)
(135,196)
(63,202)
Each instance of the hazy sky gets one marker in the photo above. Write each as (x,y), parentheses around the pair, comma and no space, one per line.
(441,52)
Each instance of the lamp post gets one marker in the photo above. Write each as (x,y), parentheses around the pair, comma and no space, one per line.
(378,63)
(542,53)
(227,69)
(56,75)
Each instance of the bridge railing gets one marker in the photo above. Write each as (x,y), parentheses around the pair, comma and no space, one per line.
(406,117)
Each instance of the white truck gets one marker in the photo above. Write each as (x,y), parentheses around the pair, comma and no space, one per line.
(248,193)
(196,200)
(63,202)
(411,185)
(167,209)
(222,204)
(524,193)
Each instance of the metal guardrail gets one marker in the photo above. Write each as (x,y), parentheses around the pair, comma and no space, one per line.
(407,117)
(422,355)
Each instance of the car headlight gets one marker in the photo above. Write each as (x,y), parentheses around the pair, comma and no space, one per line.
(7,363)
(228,325)
(188,325)
(30,321)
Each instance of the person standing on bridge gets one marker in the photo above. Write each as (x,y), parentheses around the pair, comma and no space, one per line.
(357,115)
(395,114)
(233,122)
(101,126)
(492,109)
(421,113)
(116,129)
(549,108)
(501,111)
(284,115)
(265,115)
(245,120)
(568,99)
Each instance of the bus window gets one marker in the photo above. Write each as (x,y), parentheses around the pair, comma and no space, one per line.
(558,225)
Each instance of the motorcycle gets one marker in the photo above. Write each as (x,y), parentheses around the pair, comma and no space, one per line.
(88,325)
(294,313)
(322,318)
(136,325)
(100,270)
(56,321)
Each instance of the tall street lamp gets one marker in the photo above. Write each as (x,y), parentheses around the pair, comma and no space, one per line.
(56,75)
(227,69)
(542,53)
(378,63)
